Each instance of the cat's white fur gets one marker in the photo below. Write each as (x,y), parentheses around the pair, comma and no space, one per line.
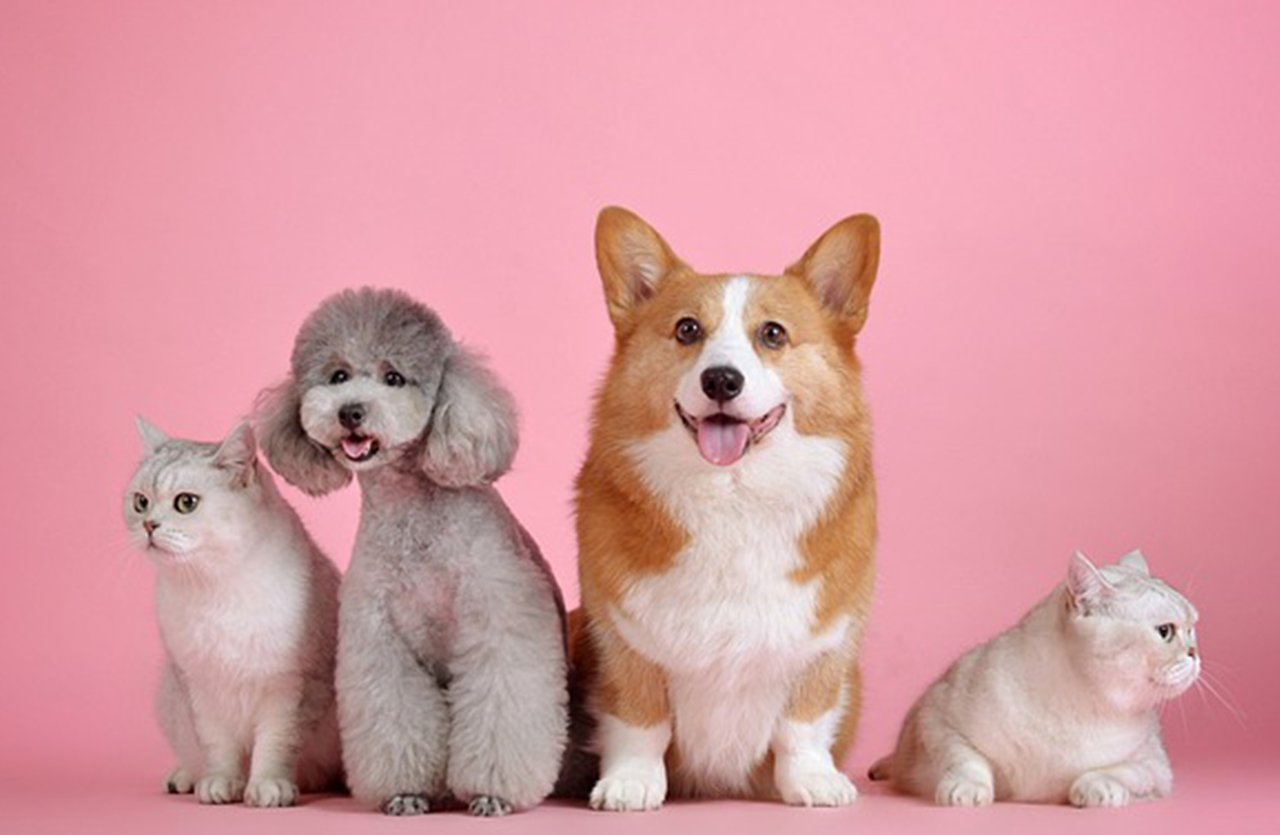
(247,610)
(1063,706)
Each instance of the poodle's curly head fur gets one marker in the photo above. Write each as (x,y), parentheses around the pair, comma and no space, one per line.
(378,379)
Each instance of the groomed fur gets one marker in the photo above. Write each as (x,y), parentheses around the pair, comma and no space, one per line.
(451,659)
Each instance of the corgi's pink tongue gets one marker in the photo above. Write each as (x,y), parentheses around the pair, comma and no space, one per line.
(356,448)
(722,442)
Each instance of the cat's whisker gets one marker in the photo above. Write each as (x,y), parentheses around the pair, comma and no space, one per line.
(1235,712)
(1220,689)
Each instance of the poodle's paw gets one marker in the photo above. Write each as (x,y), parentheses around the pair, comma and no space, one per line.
(402,805)
(816,787)
(1096,789)
(220,788)
(179,781)
(488,806)
(633,788)
(267,792)
(955,790)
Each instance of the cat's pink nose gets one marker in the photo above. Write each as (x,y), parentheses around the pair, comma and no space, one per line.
(150,526)
(1192,652)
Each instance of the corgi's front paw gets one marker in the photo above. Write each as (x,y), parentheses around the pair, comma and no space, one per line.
(632,788)
(1096,789)
(267,792)
(815,787)
(220,788)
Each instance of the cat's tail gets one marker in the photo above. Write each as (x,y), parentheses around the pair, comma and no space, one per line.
(881,769)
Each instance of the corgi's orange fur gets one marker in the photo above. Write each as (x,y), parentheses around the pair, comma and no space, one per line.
(726,523)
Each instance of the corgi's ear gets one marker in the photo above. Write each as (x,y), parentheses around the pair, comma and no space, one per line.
(1086,586)
(301,461)
(472,435)
(841,267)
(151,435)
(632,259)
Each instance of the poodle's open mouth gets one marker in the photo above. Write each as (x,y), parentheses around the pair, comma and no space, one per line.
(723,439)
(359,447)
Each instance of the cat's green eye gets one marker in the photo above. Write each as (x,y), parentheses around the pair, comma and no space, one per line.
(141,503)
(1166,631)
(186,502)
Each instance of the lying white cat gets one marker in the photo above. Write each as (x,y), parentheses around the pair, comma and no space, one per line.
(247,608)
(1062,707)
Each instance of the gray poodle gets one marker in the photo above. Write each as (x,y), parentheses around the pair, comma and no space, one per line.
(451,673)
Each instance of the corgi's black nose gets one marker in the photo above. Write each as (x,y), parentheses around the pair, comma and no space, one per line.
(722,383)
(351,415)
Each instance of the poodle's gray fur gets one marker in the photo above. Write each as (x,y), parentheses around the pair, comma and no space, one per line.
(451,660)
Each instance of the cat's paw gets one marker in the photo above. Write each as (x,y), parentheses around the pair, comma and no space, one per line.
(1096,789)
(488,806)
(220,788)
(402,805)
(267,792)
(961,791)
(179,781)
(816,788)
(634,788)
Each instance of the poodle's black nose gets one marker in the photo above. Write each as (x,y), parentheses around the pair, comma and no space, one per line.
(722,382)
(351,415)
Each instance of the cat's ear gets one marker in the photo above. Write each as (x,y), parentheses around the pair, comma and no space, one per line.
(298,459)
(472,435)
(238,454)
(150,434)
(1085,584)
(1136,562)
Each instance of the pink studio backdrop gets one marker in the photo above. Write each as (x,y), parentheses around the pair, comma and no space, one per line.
(1073,342)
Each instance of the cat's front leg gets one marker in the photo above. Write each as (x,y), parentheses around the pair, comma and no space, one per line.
(223,780)
(804,771)
(275,745)
(1146,775)
(173,710)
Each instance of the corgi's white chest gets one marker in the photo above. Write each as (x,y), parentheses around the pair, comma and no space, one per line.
(728,623)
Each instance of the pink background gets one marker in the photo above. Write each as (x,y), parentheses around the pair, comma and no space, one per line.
(1073,342)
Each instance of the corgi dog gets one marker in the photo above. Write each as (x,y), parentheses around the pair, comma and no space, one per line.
(726,524)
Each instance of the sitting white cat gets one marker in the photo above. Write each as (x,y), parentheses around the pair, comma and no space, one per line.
(1062,707)
(247,608)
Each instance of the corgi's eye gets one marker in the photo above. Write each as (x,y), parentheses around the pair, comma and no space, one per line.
(141,503)
(339,377)
(1166,631)
(394,379)
(186,502)
(773,335)
(688,331)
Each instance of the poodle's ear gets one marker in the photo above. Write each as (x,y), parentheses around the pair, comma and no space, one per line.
(472,436)
(302,462)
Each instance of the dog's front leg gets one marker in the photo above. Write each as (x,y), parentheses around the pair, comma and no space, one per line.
(634,727)
(804,771)
(391,711)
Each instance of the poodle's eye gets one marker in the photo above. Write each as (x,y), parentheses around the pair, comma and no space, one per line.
(141,503)
(186,502)
(688,331)
(339,377)
(773,335)
(394,378)
(1166,631)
